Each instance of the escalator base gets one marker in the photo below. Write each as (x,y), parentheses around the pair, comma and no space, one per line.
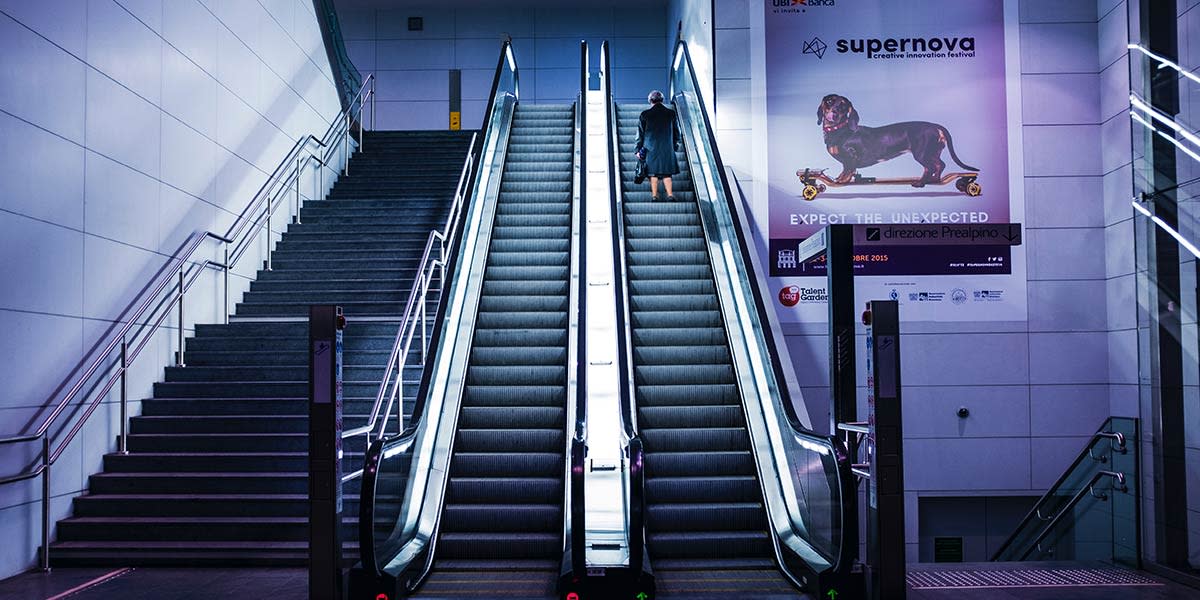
(1026,575)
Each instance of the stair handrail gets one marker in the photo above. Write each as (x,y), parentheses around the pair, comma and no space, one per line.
(416,312)
(633,440)
(1117,443)
(827,445)
(1087,489)
(177,275)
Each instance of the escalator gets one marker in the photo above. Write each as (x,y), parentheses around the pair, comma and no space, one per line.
(740,496)
(704,504)
(504,499)
(468,500)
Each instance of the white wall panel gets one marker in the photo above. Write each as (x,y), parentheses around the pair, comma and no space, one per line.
(191,28)
(1035,11)
(1058,48)
(123,48)
(41,175)
(995,411)
(1055,150)
(1060,99)
(1063,201)
(1046,247)
(41,267)
(1067,305)
(121,204)
(33,68)
(967,465)
(124,125)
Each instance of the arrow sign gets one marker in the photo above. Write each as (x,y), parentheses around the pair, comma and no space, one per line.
(642,596)
(1014,234)
(833,594)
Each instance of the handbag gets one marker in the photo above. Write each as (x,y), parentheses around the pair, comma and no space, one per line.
(639,173)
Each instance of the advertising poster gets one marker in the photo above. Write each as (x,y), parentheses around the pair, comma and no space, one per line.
(885,113)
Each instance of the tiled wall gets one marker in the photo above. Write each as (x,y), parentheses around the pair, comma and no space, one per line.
(413,67)
(124,127)
(1037,389)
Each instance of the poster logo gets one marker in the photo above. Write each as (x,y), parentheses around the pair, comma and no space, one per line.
(815,46)
(918,47)
(798,6)
(790,295)
(958,296)
(786,259)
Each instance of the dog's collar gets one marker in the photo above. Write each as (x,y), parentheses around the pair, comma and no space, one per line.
(827,128)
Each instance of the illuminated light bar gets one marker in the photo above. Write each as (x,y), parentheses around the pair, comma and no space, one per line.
(1165,62)
(1136,102)
(1150,126)
(1167,228)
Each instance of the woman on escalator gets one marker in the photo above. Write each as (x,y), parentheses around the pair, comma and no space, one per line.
(657,139)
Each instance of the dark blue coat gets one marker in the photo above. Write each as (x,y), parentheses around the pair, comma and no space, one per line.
(658,134)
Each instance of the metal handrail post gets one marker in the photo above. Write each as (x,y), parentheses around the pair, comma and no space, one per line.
(179,358)
(267,226)
(44,558)
(372,102)
(226,309)
(346,144)
(123,445)
(298,161)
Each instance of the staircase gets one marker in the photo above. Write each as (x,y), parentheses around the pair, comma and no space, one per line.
(503,506)
(217,466)
(704,506)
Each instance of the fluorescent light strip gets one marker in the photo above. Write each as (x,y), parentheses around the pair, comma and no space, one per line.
(1167,228)
(1165,62)
(1161,118)
(1189,152)
(1145,123)
(1142,209)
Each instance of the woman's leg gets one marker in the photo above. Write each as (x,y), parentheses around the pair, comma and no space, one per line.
(667,184)
(654,187)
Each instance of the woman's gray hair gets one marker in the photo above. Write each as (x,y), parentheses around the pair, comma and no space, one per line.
(655,97)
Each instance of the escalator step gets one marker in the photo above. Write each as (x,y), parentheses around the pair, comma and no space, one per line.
(496,518)
(504,497)
(703,499)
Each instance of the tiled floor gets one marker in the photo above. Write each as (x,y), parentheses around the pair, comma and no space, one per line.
(205,584)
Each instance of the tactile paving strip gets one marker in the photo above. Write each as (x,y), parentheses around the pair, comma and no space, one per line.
(1016,578)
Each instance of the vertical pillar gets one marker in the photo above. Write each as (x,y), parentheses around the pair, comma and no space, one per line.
(839,265)
(885,453)
(325,324)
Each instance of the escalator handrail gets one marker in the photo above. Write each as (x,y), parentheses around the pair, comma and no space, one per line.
(848,548)
(574,531)
(637,538)
(1103,433)
(404,439)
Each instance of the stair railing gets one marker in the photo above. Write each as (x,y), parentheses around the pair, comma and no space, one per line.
(1111,453)
(415,317)
(99,372)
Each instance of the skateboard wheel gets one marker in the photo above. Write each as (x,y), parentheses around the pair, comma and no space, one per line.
(974,189)
(961,183)
(810,192)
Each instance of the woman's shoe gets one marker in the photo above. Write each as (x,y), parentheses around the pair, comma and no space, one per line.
(670,198)
(654,198)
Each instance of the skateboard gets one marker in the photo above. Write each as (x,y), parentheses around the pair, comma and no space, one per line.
(816,181)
